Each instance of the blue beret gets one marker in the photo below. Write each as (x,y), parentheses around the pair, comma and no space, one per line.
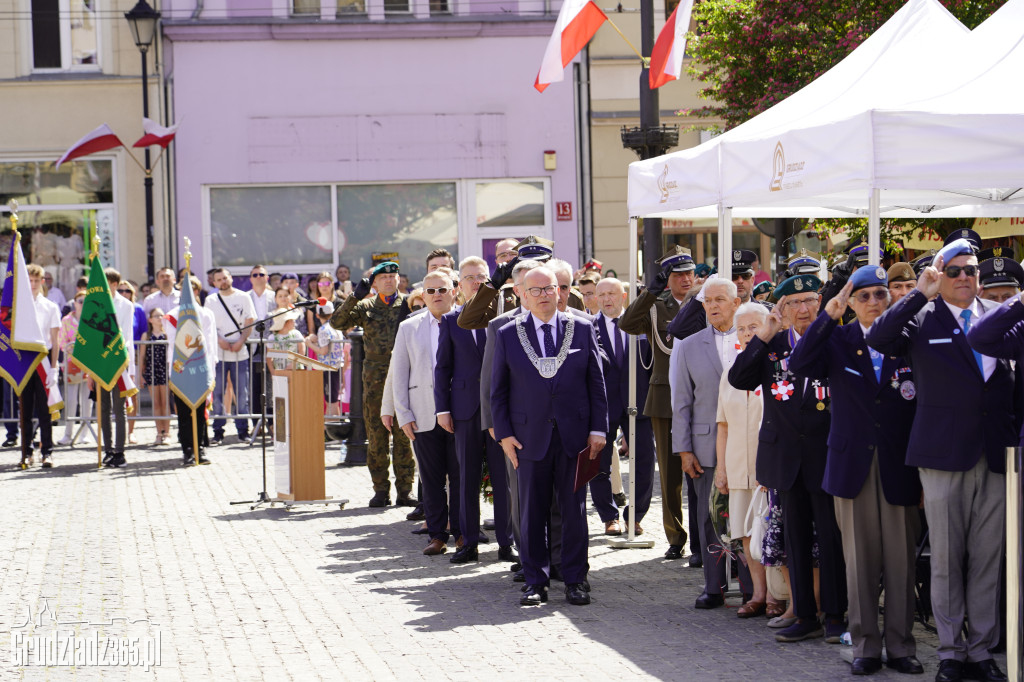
(957,247)
(869,276)
(797,284)
(388,267)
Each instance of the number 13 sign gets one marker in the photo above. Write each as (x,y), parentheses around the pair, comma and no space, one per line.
(563,210)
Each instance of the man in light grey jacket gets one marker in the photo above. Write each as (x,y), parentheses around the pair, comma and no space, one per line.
(695,372)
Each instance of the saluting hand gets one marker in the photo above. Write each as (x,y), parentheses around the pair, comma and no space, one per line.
(774,322)
(837,306)
(510,445)
(931,277)
(596,445)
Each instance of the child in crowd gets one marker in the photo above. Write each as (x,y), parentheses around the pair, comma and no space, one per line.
(328,344)
(154,372)
(76,397)
(284,336)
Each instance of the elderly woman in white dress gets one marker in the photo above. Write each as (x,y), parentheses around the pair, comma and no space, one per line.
(739,420)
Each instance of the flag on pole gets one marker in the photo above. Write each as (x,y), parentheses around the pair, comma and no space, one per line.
(667,55)
(99,140)
(100,348)
(156,134)
(22,345)
(190,377)
(578,21)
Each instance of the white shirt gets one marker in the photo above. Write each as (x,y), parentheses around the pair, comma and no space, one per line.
(241,307)
(988,365)
(158,299)
(726,344)
(613,329)
(48,317)
(262,303)
(125,312)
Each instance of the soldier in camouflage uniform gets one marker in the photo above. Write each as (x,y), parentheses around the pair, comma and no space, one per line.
(379,318)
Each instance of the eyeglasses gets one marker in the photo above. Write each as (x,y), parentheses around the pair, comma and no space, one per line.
(430,291)
(258,274)
(475,278)
(877,294)
(953,271)
(742,275)
(507,254)
(809,302)
(537,291)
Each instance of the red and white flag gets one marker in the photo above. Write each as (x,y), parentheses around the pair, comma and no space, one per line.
(156,134)
(99,140)
(667,55)
(577,23)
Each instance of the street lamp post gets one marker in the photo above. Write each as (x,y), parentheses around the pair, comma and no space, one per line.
(142,20)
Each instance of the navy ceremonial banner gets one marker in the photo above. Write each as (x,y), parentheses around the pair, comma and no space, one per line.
(21,342)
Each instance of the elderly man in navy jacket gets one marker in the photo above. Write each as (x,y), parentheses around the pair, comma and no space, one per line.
(548,403)
(963,424)
(876,493)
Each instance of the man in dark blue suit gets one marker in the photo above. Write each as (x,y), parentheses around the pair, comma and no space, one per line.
(457,399)
(611,298)
(876,493)
(963,424)
(548,404)
(791,457)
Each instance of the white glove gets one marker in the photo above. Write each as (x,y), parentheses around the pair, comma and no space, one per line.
(700,294)
(51,375)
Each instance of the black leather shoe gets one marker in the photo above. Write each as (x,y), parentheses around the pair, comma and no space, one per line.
(488,524)
(420,530)
(576,594)
(709,601)
(187,460)
(834,629)
(674,552)
(620,500)
(517,566)
(987,671)
(483,538)
(380,500)
(406,501)
(519,576)
(107,457)
(465,555)
(866,666)
(117,461)
(505,553)
(696,561)
(908,665)
(10,442)
(535,595)
(950,670)
(416,514)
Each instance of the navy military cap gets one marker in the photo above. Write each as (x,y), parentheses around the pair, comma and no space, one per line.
(921,262)
(869,276)
(797,284)
(995,252)
(803,263)
(972,237)
(1000,272)
(678,259)
(535,248)
(742,261)
(860,253)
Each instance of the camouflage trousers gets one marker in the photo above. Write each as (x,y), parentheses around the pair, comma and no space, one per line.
(379,452)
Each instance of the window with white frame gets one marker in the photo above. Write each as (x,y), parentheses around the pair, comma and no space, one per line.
(65,35)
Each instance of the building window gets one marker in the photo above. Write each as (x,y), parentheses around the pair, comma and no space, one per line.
(58,214)
(65,35)
(396,7)
(350,7)
(306,7)
(440,7)
(510,204)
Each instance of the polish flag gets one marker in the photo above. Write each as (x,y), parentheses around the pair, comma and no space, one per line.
(667,55)
(577,23)
(99,140)
(156,134)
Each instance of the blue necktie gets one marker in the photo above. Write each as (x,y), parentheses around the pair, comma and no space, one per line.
(549,341)
(966,315)
(876,363)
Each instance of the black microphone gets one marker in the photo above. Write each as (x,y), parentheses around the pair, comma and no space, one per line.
(311,303)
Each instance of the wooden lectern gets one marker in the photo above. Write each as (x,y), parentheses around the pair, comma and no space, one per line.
(299,428)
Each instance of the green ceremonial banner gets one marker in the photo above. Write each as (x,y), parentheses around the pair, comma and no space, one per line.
(99,347)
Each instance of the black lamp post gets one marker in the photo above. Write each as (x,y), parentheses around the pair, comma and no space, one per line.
(142,20)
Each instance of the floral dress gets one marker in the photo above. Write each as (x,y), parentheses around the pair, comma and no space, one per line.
(773,547)
(156,361)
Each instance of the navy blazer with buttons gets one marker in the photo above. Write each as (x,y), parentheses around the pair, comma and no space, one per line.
(866,413)
(457,371)
(526,405)
(792,439)
(960,416)
(616,371)
(1000,334)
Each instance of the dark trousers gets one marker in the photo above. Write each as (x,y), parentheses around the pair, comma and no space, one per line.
(554,515)
(538,479)
(504,527)
(714,559)
(438,465)
(9,409)
(696,537)
(805,512)
(642,472)
(671,471)
(184,413)
(33,403)
(471,448)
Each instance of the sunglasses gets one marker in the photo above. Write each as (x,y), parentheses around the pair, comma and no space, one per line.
(124,291)
(953,271)
(258,274)
(430,291)
(742,275)
(865,296)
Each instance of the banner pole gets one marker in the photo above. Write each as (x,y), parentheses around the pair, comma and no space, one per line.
(195,435)
(99,426)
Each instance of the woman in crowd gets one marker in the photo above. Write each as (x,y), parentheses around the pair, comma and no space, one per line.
(76,396)
(321,286)
(153,369)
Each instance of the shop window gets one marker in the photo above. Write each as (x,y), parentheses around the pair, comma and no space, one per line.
(65,35)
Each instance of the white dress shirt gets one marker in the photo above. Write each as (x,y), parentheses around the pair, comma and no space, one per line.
(158,299)
(725,345)
(435,338)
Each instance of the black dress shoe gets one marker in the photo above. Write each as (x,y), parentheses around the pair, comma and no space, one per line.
(406,501)
(516,567)
(908,665)
(519,576)
(674,552)
(202,459)
(505,553)
(987,671)
(420,530)
(380,500)
(866,666)
(483,538)
(107,456)
(465,555)
(709,601)
(950,670)
(535,595)
(10,442)
(187,460)
(696,561)
(416,514)
(488,525)
(576,595)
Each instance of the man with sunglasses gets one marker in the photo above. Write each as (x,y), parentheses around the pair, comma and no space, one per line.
(876,494)
(262,302)
(964,422)
(791,454)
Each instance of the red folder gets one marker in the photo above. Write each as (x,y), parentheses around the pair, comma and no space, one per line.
(586,468)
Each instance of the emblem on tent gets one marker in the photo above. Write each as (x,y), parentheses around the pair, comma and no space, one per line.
(666,186)
(778,168)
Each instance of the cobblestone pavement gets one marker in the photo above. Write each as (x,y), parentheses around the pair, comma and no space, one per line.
(324,593)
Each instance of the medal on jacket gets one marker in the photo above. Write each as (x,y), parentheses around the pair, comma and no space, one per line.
(782,390)
(820,392)
(546,367)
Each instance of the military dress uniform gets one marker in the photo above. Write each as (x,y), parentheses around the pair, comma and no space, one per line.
(379,321)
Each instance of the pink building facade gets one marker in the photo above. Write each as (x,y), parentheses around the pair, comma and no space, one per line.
(312,140)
